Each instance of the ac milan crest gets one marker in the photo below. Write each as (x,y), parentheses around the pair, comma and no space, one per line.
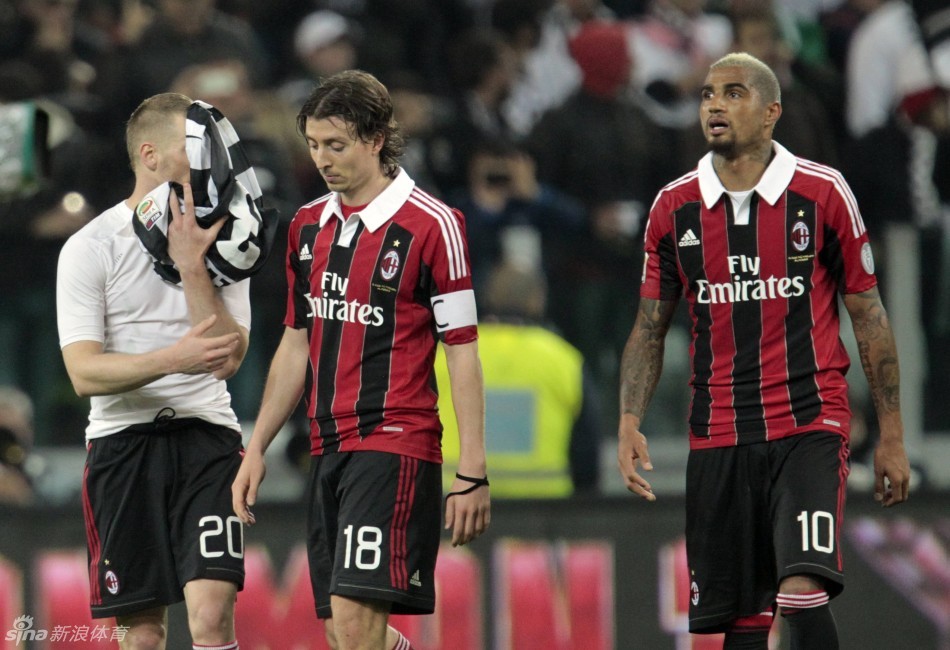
(112,582)
(390,265)
(800,236)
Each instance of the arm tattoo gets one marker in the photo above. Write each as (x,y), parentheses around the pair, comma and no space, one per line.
(642,359)
(876,347)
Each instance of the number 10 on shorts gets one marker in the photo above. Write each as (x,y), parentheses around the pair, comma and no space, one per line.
(816,527)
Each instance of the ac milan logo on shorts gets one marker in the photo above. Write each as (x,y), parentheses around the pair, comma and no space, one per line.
(389,265)
(694,593)
(800,236)
(112,583)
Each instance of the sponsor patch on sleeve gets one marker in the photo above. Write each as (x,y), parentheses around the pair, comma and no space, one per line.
(867,259)
(454,310)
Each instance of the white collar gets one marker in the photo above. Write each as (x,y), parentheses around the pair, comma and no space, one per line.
(381,209)
(770,187)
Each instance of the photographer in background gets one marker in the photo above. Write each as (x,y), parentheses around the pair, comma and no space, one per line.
(506,207)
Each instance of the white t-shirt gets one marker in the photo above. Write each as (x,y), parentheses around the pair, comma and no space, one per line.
(107,291)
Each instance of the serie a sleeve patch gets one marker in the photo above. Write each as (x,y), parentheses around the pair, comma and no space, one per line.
(454,310)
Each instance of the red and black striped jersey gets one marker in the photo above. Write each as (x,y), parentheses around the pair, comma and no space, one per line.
(766,357)
(376,292)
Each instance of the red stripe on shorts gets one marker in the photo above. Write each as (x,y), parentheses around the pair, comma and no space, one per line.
(405,494)
(92,539)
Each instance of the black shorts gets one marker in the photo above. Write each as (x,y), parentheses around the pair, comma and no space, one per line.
(157,505)
(758,513)
(373,529)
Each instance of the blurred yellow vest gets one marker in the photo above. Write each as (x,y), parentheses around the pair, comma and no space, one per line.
(533,393)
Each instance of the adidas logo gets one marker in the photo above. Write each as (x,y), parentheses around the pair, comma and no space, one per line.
(414,580)
(688,239)
(305,253)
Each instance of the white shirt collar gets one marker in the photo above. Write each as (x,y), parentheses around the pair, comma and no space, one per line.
(770,187)
(381,209)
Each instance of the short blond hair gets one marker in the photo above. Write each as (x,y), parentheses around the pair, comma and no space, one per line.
(151,121)
(761,76)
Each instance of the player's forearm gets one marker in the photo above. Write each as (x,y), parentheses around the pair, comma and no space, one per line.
(283,390)
(878,353)
(468,400)
(113,373)
(203,300)
(642,360)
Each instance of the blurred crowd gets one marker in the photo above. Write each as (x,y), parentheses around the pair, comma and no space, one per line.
(550,123)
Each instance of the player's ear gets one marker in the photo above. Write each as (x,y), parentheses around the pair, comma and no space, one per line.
(773,111)
(148,156)
(378,141)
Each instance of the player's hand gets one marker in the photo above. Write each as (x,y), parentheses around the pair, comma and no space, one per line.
(195,354)
(187,241)
(245,486)
(632,450)
(891,473)
(467,515)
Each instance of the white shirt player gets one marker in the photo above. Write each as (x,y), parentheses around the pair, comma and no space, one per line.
(108,292)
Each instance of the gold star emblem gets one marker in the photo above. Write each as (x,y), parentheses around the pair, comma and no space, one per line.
(801,213)
(107,563)
(396,243)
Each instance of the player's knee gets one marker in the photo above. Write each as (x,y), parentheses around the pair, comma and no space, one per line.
(147,636)
(146,630)
(211,622)
(330,635)
(800,584)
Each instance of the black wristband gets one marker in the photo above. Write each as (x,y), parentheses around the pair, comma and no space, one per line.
(478,482)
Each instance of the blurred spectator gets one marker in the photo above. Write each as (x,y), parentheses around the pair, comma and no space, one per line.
(184,33)
(543,421)
(50,183)
(900,179)
(510,215)
(934,19)
(805,127)
(886,65)
(549,74)
(406,34)
(483,68)
(64,53)
(325,43)
(673,45)
(419,113)
(16,441)
(602,149)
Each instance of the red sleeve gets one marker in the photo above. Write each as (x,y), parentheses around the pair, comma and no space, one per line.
(450,289)
(293,317)
(660,280)
(844,218)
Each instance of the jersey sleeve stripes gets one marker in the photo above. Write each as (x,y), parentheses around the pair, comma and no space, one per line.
(841,187)
(449,223)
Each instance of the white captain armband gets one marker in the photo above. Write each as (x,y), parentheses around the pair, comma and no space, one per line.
(454,310)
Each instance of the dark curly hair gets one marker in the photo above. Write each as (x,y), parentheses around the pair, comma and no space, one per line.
(363,103)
